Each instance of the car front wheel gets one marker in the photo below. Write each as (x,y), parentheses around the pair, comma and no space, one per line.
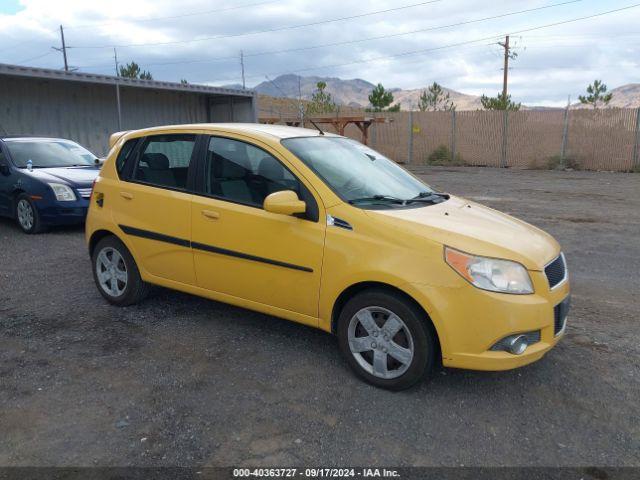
(386,339)
(27,215)
(116,273)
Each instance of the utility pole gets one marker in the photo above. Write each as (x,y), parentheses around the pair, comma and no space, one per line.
(115,58)
(300,107)
(565,133)
(63,49)
(507,55)
(242,67)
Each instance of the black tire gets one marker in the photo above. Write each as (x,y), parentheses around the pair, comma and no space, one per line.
(421,333)
(36,225)
(135,290)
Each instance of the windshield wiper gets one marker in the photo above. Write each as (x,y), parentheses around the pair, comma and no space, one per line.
(426,194)
(377,198)
(435,197)
(423,197)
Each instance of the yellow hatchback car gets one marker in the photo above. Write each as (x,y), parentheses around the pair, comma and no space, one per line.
(322,230)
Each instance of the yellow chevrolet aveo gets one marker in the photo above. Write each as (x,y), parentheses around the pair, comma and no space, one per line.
(322,230)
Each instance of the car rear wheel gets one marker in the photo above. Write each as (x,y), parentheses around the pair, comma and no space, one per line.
(27,215)
(386,339)
(116,273)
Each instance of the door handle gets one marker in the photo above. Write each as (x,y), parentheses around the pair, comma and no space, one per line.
(211,214)
(126,195)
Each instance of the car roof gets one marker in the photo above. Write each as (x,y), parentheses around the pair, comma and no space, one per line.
(260,129)
(32,138)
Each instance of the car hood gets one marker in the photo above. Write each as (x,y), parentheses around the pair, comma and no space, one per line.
(475,229)
(74,176)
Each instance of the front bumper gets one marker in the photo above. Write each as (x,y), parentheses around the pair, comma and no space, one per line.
(64,213)
(470,321)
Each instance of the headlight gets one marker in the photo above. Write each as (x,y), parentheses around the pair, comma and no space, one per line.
(62,192)
(491,274)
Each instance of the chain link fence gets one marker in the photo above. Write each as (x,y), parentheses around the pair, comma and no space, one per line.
(602,139)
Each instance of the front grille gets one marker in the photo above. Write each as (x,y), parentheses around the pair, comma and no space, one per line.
(556,271)
(560,313)
(84,192)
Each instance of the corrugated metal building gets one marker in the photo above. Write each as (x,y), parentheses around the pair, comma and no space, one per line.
(84,107)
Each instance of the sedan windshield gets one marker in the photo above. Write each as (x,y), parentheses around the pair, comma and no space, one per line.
(49,153)
(358,174)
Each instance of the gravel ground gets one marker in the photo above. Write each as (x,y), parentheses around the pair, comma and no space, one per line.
(181,380)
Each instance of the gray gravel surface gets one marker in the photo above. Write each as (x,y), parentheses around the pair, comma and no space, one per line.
(180,380)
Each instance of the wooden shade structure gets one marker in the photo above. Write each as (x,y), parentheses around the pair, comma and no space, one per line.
(339,123)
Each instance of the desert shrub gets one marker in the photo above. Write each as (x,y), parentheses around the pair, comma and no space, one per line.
(442,156)
(570,163)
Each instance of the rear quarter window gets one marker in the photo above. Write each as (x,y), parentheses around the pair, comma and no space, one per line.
(125,155)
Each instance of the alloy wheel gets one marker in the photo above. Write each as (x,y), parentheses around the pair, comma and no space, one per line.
(380,342)
(25,214)
(111,271)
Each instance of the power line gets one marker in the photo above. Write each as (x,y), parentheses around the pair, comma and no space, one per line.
(193,14)
(452,45)
(34,58)
(359,40)
(207,12)
(277,29)
(417,52)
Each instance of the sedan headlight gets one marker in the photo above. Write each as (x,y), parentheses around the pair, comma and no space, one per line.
(491,274)
(62,192)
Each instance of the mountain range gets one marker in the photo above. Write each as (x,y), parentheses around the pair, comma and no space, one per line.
(355,92)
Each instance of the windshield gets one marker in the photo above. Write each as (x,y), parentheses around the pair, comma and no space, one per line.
(355,172)
(49,153)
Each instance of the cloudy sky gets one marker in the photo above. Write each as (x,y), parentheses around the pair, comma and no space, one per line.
(453,42)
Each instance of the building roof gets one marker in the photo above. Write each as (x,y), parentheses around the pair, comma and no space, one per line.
(51,74)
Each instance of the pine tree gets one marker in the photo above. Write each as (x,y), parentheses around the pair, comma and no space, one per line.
(132,70)
(321,101)
(499,103)
(435,98)
(380,99)
(597,94)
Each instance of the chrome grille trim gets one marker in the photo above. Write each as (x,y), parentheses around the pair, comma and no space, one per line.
(84,192)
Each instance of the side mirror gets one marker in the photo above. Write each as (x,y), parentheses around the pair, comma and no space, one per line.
(285,202)
(4,169)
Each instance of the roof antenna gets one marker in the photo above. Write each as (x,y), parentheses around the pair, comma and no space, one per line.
(316,125)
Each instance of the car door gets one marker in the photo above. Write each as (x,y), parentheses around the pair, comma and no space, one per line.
(152,206)
(240,249)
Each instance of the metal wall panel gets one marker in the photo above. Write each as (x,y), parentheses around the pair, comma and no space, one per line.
(87,113)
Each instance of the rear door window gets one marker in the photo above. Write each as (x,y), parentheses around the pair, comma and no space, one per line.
(164,161)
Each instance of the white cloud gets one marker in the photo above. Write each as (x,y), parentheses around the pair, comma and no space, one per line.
(552,63)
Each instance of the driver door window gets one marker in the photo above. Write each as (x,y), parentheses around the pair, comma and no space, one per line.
(242,173)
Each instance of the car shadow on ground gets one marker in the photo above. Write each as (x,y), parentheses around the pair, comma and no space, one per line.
(279,334)
(11,224)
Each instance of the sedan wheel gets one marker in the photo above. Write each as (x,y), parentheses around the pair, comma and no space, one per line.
(111,271)
(380,342)
(24,212)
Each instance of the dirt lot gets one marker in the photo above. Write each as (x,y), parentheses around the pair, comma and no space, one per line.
(180,380)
